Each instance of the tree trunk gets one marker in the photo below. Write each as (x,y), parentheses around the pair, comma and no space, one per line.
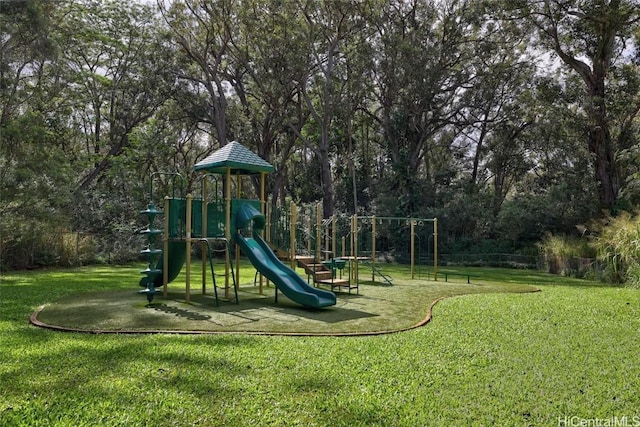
(600,143)
(327,183)
(607,24)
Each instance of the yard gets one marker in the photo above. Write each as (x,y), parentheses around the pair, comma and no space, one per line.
(566,354)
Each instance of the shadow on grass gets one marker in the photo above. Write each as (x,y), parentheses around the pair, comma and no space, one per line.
(190,315)
(254,307)
(376,283)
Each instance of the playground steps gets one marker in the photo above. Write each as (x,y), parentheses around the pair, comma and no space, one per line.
(338,283)
(303,260)
(317,270)
(323,275)
(307,262)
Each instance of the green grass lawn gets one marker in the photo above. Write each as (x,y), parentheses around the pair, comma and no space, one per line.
(568,353)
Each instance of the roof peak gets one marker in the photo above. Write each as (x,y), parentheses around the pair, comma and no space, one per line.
(236,157)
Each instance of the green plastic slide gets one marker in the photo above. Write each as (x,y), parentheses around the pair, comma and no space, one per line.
(290,283)
(177,256)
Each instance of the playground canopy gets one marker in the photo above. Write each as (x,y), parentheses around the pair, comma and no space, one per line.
(236,157)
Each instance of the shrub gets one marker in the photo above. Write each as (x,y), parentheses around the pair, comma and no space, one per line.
(618,246)
(565,255)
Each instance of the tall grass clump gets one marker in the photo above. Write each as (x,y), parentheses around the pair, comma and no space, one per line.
(562,254)
(618,247)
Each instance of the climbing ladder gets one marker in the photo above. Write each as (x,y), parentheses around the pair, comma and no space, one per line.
(210,252)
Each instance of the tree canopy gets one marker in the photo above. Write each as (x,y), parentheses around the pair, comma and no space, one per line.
(506,119)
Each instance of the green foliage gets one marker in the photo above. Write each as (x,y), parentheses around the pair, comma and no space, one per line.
(427,108)
(561,252)
(305,187)
(618,246)
(615,242)
(34,196)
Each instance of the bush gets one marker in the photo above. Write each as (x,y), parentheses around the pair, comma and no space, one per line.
(567,256)
(618,247)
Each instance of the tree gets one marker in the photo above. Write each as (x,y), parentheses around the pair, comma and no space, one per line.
(35,178)
(498,109)
(328,27)
(203,31)
(590,38)
(422,74)
(119,75)
(26,49)
(269,48)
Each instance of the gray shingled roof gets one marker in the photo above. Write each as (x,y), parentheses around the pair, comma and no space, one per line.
(235,156)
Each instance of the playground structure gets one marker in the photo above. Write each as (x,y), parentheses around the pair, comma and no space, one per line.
(355,241)
(232,225)
(223,220)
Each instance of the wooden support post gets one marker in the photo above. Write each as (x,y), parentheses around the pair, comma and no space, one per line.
(334,236)
(227,232)
(318,232)
(165,253)
(413,247)
(292,234)
(204,251)
(353,272)
(373,248)
(187,296)
(327,245)
(309,232)
(435,249)
(237,251)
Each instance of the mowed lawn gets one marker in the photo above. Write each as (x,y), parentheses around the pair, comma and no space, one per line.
(562,356)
